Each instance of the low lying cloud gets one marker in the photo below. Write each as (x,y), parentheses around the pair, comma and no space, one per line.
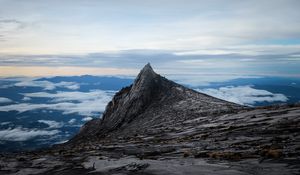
(5,100)
(5,123)
(47,85)
(23,134)
(29,83)
(26,98)
(72,121)
(244,95)
(62,96)
(86,119)
(52,124)
(205,79)
(68,85)
(83,103)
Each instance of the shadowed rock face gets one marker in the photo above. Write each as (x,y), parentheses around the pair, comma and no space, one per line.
(152,100)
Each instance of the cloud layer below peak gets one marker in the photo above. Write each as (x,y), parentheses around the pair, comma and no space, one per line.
(244,95)
(83,103)
(23,134)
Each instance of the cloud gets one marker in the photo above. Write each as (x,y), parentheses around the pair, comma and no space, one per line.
(8,26)
(69,85)
(174,37)
(62,96)
(52,124)
(47,85)
(86,119)
(83,103)
(72,121)
(156,24)
(84,108)
(34,71)
(5,123)
(23,134)
(9,29)
(26,98)
(5,100)
(244,95)
(194,80)
(44,84)
(242,60)
(10,23)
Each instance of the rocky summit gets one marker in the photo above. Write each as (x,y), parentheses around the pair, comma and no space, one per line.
(158,127)
(149,105)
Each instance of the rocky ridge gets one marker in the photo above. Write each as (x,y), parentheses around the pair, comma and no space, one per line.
(150,101)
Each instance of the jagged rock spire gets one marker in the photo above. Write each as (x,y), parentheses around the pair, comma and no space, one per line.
(144,80)
(146,73)
(130,101)
(147,67)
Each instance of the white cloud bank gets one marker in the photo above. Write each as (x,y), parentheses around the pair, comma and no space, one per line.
(205,79)
(5,100)
(26,99)
(47,85)
(23,134)
(244,95)
(85,119)
(62,96)
(83,103)
(72,121)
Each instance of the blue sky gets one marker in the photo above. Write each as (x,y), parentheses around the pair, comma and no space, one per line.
(72,37)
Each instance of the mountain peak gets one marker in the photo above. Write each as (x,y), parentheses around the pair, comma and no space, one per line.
(145,78)
(147,67)
(149,101)
(146,71)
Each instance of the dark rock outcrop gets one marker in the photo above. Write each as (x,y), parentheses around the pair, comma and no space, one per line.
(150,101)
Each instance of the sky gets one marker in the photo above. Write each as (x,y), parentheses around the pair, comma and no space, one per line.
(221,38)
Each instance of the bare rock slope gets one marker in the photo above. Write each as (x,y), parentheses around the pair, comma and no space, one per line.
(152,101)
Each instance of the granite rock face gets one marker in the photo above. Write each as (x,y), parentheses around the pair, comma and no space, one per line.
(150,101)
(158,127)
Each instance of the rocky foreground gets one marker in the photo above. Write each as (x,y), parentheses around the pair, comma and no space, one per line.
(156,126)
